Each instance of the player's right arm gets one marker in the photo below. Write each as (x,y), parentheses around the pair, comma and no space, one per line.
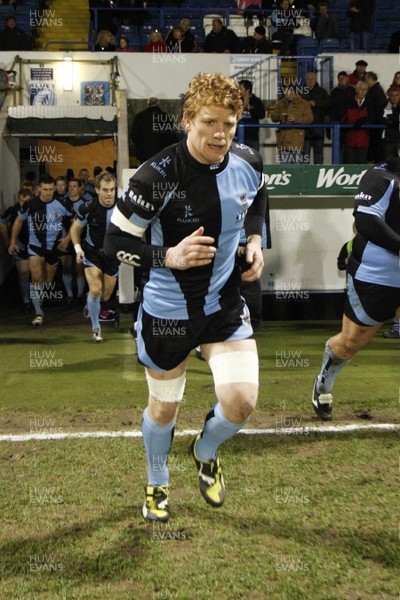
(132,215)
(13,248)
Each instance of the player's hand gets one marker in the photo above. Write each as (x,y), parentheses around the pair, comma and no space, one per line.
(80,256)
(195,250)
(254,257)
(13,248)
(62,245)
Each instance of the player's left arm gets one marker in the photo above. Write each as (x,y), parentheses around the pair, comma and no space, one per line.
(257,215)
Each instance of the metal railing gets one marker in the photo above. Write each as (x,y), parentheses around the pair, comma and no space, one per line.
(335,127)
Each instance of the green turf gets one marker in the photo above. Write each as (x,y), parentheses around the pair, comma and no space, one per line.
(306,517)
(311,517)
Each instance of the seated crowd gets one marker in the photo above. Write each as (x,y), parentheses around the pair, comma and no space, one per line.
(265,26)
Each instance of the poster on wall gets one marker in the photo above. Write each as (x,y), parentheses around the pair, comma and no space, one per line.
(95,93)
(42,93)
(42,73)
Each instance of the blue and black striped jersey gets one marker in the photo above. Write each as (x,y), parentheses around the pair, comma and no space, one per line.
(174,195)
(375,256)
(45,221)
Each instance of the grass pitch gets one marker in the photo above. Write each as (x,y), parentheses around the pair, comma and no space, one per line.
(307,516)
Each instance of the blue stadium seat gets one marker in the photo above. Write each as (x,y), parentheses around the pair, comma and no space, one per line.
(329,45)
(307,46)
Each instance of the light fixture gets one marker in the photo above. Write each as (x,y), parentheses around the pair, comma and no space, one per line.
(68,68)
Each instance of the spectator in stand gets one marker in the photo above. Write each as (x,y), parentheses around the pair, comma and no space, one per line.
(253,111)
(284,20)
(376,99)
(357,139)
(189,43)
(13,38)
(250,9)
(394,44)
(395,85)
(320,103)
(221,40)
(153,130)
(324,25)
(292,108)
(259,43)
(360,13)
(124,45)
(359,72)
(391,115)
(174,39)
(105,41)
(340,98)
(156,42)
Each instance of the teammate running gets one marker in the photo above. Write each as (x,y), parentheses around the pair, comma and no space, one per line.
(100,271)
(44,214)
(373,276)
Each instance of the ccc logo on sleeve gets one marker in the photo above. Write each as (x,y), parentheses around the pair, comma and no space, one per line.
(129,259)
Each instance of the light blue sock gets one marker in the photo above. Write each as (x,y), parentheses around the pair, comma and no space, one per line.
(217,429)
(331,367)
(67,281)
(157,441)
(36,294)
(25,286)
(93,305)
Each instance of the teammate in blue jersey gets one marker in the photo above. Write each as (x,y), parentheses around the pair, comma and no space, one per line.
(373,276)
(44,215)
(7,220)
(192,199)
(73,201)
(100,271)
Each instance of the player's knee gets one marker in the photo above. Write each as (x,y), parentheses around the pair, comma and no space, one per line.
(95,291)
(238,401)
(353,343)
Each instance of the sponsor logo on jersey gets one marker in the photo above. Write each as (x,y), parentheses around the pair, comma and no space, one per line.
(139,201)
(188,216)
(362,196)
(160,166)
(215,166)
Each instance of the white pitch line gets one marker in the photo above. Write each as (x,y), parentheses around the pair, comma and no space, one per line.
(186,432)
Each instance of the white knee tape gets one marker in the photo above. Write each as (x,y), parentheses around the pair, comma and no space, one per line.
(234,367)
(167,390)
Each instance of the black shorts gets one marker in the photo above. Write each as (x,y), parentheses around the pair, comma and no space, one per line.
(95,257)
(369,304)
(51,256)
(22,254)
(164,343)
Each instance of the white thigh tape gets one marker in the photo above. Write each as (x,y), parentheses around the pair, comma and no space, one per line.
(166,390)
(235,367)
